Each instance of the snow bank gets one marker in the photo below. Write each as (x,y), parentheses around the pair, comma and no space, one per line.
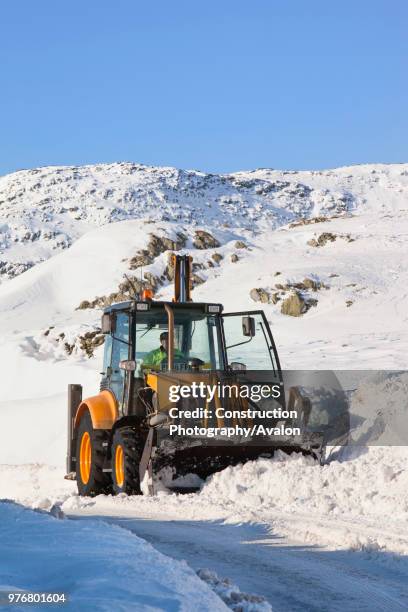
(35,485)
(358,501)
(343,503)
(98,566)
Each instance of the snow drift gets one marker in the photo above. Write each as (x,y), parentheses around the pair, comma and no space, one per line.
(98,566)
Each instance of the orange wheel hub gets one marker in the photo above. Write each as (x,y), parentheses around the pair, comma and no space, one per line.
(119,466)
(85,457)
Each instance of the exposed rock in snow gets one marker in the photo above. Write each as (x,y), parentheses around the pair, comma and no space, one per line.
(259,295)
(327,237)
(296,304)
(204,240)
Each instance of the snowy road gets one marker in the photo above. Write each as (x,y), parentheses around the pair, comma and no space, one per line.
(290,575)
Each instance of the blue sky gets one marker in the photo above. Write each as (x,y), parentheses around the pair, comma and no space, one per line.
(219,85)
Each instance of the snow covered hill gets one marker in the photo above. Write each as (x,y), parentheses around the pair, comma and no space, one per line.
(44,210)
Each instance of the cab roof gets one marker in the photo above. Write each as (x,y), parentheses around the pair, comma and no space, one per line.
(132,305)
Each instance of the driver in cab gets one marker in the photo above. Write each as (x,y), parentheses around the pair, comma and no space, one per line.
(157,356)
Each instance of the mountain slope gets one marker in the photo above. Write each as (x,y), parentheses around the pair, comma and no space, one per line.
(44,210)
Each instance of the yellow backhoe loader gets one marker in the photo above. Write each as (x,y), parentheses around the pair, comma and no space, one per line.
(162,413)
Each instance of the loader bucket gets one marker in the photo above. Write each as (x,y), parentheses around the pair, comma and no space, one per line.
(192,436)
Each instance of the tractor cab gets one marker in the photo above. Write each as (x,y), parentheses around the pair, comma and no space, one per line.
(146,338)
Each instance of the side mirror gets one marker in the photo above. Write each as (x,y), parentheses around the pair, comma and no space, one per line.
(108,323)
(236,366)
(129,365)
(248,326)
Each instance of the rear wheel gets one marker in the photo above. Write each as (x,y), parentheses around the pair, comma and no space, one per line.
(90,456)
(125,461)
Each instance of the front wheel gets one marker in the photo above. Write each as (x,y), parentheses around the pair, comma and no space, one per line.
(125,462)
(90,455)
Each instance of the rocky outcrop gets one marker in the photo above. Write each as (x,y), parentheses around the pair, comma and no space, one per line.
(326,237)
(168,273)
(259,295)
(160,244)
(304,285)
(127,290)
(296,305)
(10,269)
(309,283)
(322,239)
(240,245)
(155,247)
(197,280)
(90,341)
(217,257)
(152,280)
(305,221)
(140,260)
(204,240)
(86,342)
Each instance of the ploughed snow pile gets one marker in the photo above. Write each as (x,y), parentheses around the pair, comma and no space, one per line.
(340,503)
(357,501)
(98,566)
(356,484)
(343,503)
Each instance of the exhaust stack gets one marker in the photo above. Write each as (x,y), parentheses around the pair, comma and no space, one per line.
(182,278)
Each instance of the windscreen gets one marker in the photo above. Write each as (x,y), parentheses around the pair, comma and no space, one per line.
(196,336)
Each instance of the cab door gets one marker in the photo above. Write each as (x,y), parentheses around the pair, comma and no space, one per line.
(249,342)
(120,352)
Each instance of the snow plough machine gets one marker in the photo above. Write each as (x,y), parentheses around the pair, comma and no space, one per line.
(186,391)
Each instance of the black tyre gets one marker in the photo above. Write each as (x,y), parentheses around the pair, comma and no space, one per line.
(126,453)
(90,455)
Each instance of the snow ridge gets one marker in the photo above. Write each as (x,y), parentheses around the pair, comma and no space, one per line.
(44,210)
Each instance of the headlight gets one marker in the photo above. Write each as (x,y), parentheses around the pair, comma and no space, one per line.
(214,308)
